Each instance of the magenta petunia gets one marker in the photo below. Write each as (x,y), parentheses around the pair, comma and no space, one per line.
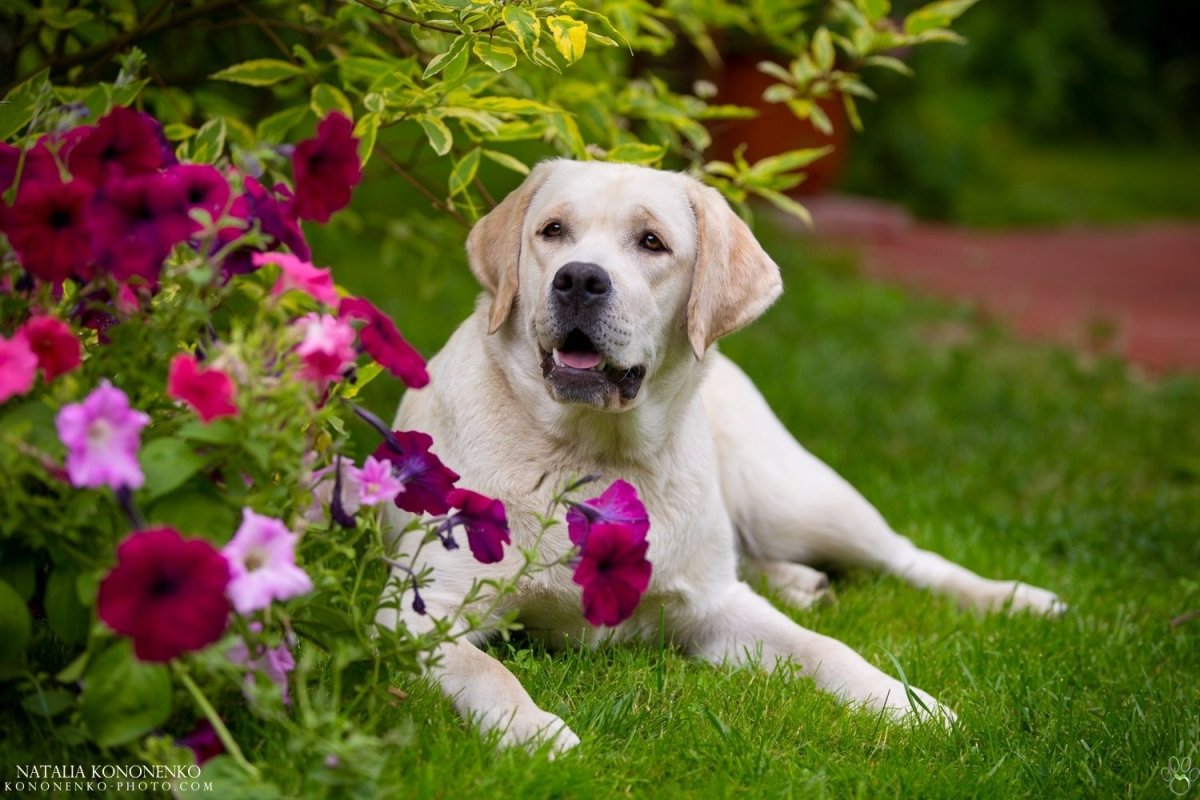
(294,273)
(48,228)
(202,187)
(102,435)
(485,521)
(613,572)
(18,367)
(383,342)
(208,391)
(135,222)
(262,564)
(427,481)
(167,593)
(124,142)
(327,347)
(326,169)
(203,742)
(56,348)
(618,504)
(375,482)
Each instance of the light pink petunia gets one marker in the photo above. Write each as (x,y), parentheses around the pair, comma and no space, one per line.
(262,563)
(327,348)
(18,367)
(376,483)
(317,283)
(102,435)
(274,662)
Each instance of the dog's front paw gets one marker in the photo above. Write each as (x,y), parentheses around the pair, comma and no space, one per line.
(902,702)
(532,728)
(1023,597)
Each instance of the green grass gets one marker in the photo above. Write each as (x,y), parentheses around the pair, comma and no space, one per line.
(1019,461)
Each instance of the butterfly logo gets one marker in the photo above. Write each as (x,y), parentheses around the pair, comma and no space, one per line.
(1179,775)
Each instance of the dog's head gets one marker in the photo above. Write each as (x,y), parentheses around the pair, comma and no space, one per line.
(613,274)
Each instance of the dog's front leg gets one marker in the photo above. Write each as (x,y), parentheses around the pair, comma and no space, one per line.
(742,628)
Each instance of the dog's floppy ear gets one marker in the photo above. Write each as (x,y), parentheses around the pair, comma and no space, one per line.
(734,279)
(494,245)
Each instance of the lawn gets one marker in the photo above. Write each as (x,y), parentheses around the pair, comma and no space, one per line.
(1019,461)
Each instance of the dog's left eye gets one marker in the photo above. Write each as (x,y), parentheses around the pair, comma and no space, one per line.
(652,243)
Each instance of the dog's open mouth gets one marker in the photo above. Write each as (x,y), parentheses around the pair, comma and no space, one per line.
(577,372)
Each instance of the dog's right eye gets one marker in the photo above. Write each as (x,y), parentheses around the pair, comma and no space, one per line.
(552,230)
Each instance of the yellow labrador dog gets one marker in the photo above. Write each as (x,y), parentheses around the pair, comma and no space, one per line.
(592,352)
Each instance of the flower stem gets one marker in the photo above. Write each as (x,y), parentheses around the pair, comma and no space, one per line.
(214,719)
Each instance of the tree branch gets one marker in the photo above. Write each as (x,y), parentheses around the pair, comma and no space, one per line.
(403,173)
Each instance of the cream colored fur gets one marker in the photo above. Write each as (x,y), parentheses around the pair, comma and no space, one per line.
(717,471)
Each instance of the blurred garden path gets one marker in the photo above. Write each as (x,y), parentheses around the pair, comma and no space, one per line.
(1131,291)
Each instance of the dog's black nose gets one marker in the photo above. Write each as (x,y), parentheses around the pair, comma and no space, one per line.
(581,284)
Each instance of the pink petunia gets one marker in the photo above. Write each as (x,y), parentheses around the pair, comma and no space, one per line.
(208,391)
(56,348)
(383,342)
(618,504)
(274,662)
(167,593)
(326,169)
(102,435)
(375,481)
(485,521)
(18,367)
(327,347)
(262,564)
(317,283)
(613,572)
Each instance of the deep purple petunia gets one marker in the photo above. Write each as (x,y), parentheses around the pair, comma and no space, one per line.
(135,222)
(277,219)
(167,593)
(48,227)
(617,505)
(485,521)
(326,169)
(613,572)
(383,342)
(124,142)
(203,742)
(426,479)
(202,187)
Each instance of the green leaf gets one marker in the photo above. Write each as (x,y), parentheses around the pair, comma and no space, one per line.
(124,698)
(362,376)
(219,431)
(178,131)
(366,131)
(196,508)
(875,10)
(47,702)
(566,131)
(326,99)
(457,52)
(440,137)
(507,161)
(570,36)
(637,153)
(209,141)
(785,204)
(17,109)
(887,62)
(497,56)
(464,172)
(17,570)
(852,112)
(275,128)
(15,627)
(778,93)
(63,19)
(67,617)
(790,161)
(822,49)
(935,15)
(510,105)
(168,463)
(259,72)
(524,26)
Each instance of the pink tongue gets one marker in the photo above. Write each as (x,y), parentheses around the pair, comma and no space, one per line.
(579,360)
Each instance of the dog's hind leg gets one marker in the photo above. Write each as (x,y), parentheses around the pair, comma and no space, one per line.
(788,506)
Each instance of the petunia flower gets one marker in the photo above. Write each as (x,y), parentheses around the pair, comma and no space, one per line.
(326,169)
(276,217)
(324,482)
(134,223)
(375,481)
(613,572)
(166,593)
(382,340)
(485,521)
(124,142)
(618,504)
(274,662)
(327,347)
(18,367)
(56,348)
(427,481)
(102,435)
(48,228)
(208,391)
(201,186)
(203,742)
(317,283)
(262,564)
